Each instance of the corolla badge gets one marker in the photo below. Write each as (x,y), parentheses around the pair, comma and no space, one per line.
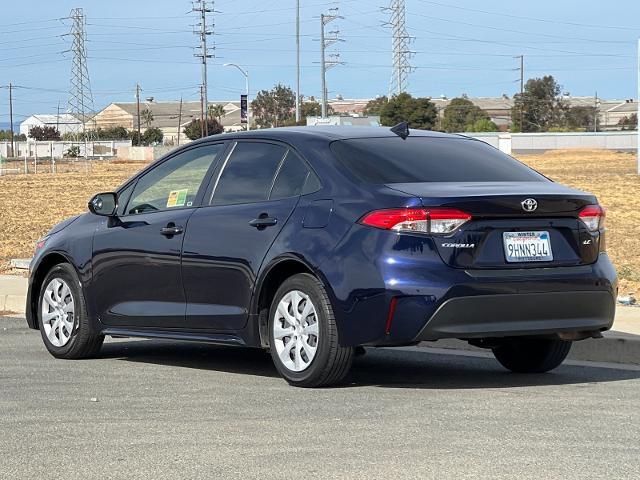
(529,205)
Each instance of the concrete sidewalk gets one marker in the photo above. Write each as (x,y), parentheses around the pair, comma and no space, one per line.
(620,345)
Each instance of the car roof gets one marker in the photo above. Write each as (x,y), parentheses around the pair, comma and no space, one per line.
(329,133)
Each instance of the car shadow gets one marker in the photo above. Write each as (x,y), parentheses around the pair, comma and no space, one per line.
(414,368)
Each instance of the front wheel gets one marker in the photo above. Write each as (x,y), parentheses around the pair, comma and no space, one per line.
(532,355)
(303,336)
(64,323)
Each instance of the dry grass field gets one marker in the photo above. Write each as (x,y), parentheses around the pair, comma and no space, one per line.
(31,204)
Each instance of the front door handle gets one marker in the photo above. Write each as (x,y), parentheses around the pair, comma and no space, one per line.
(171,230)
(263,221)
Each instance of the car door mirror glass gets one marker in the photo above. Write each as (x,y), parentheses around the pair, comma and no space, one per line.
(104,204)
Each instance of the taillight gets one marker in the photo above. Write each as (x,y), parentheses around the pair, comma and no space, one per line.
(593,217)
(435,221)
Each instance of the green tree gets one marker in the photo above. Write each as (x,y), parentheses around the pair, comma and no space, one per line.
(582,118)
(461,114)
(217,111)
(193,132)
(274,108)
(44,133)
(146,117)
(419,112)
(540,107)
(152,136)
(482,125)
(375,106)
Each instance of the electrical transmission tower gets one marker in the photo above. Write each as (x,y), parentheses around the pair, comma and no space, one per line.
(328,60)
(204,7)
(401,51)
(80,103)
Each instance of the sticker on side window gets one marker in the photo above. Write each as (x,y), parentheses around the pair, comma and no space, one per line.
(177,198)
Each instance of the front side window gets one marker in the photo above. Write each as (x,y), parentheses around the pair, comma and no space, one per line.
(248,175)
(174,183)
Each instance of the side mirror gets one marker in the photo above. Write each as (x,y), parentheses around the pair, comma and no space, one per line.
(104,204)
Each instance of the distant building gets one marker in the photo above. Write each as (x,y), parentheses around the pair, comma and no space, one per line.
(165,117)
(349,120)
(64,123)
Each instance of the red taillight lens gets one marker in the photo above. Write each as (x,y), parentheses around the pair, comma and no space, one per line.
(593,217)
(436,221)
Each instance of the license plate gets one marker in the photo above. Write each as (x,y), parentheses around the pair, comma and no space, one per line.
(527,247)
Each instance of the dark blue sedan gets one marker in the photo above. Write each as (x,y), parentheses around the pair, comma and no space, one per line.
(315,242)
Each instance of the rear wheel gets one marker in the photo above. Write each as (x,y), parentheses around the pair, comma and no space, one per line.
(532,355)
(64,323)
(303,335)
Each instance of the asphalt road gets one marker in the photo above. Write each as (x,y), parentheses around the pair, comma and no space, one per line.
(177,410)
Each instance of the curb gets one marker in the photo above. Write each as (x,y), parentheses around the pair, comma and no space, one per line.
(13,303)
(614,347)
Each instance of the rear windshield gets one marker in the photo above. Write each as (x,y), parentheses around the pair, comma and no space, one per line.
(424,159)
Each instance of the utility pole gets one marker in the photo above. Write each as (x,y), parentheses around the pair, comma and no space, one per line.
(202,7)
(297,61)
(402,54)
(138,113)
(11,119)
(179,120)
(638,112)
(201,112)
(595,113)
(328,61)
(521,57)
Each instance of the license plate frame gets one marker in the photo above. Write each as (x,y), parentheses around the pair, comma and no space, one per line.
(527,247)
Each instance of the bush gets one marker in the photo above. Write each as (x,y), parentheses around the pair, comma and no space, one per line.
(152,136)
(192,130)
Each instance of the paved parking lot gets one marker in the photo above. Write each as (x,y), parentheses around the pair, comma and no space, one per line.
(176,410)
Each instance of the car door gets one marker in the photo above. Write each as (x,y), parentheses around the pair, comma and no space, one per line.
(136,256)
(253,194)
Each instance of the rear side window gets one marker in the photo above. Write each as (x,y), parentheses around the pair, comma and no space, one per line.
(423,159)
(291,177)
(248,174)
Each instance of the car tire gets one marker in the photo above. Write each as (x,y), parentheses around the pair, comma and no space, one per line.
(314,358)
(62,316)
(532,355)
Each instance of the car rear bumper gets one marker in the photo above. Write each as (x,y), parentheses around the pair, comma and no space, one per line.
(489,316)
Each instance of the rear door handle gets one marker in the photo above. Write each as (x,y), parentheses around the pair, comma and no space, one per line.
(171,230)
(263,221)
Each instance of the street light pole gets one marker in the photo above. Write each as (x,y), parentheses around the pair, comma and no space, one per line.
(246,87)
(297,61)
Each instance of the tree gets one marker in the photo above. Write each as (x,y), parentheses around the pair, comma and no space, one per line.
(152,136)
(461,115)
(482,125)
(146,117)
(582,118)
(307,109)
(630,122)
(217,111)
(375,106)
(273,108)
(44,133)
(193,130)
(419,112)
(540,107)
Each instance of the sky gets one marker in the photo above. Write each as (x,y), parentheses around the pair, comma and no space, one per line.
(461,47)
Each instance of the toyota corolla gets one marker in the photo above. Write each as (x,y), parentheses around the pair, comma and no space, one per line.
(313,242)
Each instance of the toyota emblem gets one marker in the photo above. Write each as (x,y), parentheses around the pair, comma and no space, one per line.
(529,205)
